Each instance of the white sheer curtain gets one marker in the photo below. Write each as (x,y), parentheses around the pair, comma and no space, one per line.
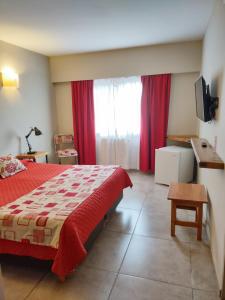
(117,104)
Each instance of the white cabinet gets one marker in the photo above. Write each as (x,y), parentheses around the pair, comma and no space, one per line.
(174,164)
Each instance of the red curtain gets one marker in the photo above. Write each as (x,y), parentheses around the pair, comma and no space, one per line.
(83,120)
(154,117)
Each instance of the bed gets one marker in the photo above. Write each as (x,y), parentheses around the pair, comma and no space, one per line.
(51,212)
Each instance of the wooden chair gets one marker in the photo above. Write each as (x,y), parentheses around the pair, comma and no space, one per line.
(64,147)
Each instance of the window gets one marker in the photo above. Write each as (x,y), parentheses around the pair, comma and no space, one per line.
(117,104)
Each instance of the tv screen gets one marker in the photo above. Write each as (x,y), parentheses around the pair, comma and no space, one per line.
(202,100)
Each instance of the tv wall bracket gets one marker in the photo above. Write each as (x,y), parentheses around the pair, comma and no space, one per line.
(214,103)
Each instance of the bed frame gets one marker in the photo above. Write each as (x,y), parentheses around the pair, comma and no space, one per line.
(101,224)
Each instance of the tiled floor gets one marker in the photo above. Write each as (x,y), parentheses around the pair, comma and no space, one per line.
(134,258)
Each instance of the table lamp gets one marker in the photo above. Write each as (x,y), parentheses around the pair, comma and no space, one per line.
(36,132)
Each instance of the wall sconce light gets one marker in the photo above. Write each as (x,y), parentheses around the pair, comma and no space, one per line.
(9,78)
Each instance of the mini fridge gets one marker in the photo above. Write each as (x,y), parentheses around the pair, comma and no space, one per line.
(174,164)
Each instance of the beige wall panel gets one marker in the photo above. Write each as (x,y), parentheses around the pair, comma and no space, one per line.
(168,58)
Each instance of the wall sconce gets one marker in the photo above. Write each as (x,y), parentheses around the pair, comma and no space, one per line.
(9,78)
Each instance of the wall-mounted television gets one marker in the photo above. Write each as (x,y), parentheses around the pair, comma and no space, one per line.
(205,104)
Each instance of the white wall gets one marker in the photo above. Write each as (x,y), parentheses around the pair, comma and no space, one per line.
(182,116)
(213,69)
(30,105)
(182,112)
(63,100)
(168,58)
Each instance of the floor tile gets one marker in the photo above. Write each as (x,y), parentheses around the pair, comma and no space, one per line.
(155,220)
(132,199)
(144,187)
(205,295)
(123,220)
(160,187)
(153,225)
(141,181)
(108,251)
(158,192)
(186,234)
(84,284)
(134,288)
(157,206)
(19,279)
(157,259)
(203,274)
(138,177)
(158,226)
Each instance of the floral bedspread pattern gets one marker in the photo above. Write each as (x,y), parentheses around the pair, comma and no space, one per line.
(38,217)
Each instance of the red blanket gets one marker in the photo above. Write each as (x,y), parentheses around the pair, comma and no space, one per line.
(77,227)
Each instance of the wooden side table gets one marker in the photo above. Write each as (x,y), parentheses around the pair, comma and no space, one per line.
(190,197)
(33,156)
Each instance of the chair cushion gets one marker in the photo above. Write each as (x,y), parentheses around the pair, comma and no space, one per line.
(66,153)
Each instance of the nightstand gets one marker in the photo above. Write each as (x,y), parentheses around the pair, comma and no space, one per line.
(33,156)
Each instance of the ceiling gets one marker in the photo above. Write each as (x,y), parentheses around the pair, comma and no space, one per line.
(56,27)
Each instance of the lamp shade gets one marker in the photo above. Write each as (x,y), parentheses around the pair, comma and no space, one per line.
(37,131)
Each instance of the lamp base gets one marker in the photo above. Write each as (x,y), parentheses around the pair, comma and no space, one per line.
(31,152)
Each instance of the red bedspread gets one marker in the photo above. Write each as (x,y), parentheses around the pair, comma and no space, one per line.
(77,227)
(24,182)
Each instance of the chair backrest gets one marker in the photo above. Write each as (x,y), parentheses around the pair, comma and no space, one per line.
(63,139)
